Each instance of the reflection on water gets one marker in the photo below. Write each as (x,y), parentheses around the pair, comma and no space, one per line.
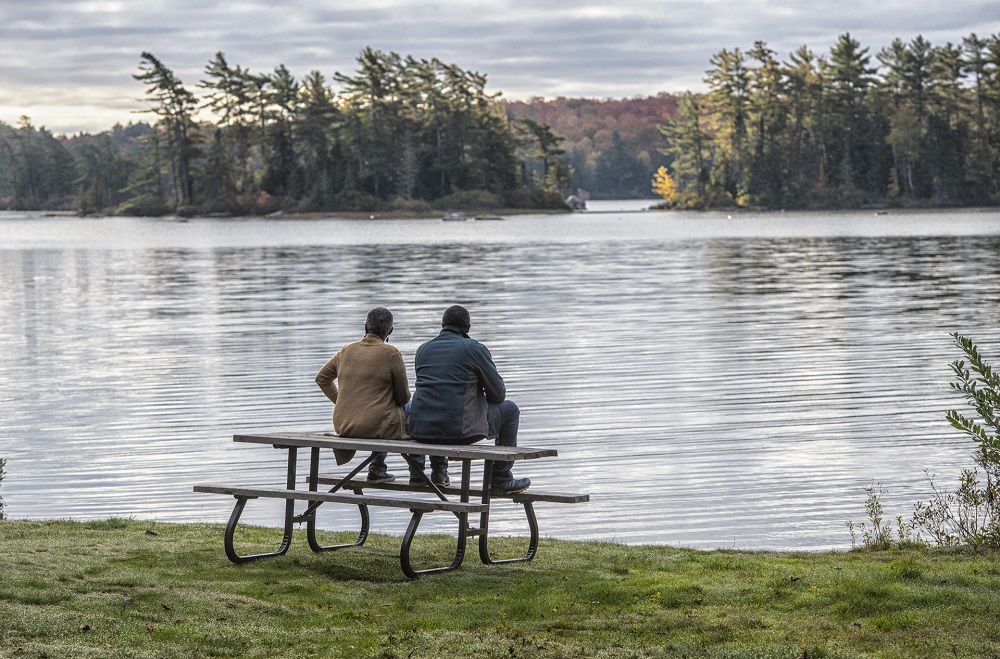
(710,383)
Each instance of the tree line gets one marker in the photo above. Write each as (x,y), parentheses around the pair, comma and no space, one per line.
(913,124)
(400,133)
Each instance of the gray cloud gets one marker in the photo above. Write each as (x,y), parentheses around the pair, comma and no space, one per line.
(69,63)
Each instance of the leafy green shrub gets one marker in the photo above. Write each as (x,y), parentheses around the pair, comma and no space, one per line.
(880,535)
(468,200)
(971,514)
(534,199)
(549,199)
(516,198)
(142,206)
(355,200)
(409,205)
(258,204)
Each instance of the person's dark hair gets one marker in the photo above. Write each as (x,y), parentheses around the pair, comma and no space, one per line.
(458,316)
(379,322)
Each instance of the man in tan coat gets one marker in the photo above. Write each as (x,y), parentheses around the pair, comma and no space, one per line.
(373,389)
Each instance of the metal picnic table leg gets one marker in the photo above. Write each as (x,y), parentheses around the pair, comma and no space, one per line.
(463,532)
(310,513)
(241,503)
(484,525)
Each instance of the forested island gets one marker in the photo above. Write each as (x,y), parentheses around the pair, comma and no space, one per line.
(401,134)
(912,124)
(917,125)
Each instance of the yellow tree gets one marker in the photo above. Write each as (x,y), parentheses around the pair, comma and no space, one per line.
(664,186)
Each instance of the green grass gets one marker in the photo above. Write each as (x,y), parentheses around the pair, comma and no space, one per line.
(126,588)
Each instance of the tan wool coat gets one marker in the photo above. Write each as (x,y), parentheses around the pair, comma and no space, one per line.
(373,388)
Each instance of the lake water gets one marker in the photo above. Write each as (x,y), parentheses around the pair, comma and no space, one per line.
(711,381)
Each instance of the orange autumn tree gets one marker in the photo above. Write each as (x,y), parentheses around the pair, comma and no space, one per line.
(664,185)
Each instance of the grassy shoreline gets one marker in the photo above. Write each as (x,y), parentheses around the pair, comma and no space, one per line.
(132,588)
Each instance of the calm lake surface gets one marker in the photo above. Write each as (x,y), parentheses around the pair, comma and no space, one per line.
(711,381)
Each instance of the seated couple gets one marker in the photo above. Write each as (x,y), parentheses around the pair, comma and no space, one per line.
(460,397)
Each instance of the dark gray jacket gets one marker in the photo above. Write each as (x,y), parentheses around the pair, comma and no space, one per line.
(456,381)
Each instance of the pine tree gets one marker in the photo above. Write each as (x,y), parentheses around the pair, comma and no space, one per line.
(690,146)
(729,100)
(175,107)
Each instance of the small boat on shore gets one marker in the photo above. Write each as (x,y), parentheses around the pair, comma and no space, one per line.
(454,216)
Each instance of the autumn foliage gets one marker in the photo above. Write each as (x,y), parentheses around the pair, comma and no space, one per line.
(612,145)
(664,185)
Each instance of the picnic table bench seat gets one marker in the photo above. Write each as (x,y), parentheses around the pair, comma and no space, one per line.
(524,496)
(426,505)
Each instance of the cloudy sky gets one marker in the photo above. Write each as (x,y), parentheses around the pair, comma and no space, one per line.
(68,64)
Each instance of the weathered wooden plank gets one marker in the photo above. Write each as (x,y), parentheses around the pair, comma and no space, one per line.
(526,496)
(482,451)
(343,497)
(404,486)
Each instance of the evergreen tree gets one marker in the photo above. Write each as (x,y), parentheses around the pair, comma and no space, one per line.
(690,146)
(621,175)
(728,102)
(541,144)
(768,109)
(233,96)
(948,126)
(145,193)
(103,175)
(281,175)
(175,107)
(807,127)
(318,122)
(39,171)
(855,140)
(372,100)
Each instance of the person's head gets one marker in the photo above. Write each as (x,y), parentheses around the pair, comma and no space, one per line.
(457,316)
(379,322)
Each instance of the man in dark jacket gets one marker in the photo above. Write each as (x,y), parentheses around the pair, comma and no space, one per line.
(460,398)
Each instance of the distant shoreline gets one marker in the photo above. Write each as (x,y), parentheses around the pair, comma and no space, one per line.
(312,215)
(493,214)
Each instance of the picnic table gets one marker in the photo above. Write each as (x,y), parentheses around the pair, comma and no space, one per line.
(463,500)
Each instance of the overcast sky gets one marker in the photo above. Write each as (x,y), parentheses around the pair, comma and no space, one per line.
(68,64)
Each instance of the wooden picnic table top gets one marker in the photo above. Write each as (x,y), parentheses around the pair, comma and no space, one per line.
(483,451)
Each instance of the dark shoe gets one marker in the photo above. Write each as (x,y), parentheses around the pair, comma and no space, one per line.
(510,485)
(440,478)
(380,477)
(417,480)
